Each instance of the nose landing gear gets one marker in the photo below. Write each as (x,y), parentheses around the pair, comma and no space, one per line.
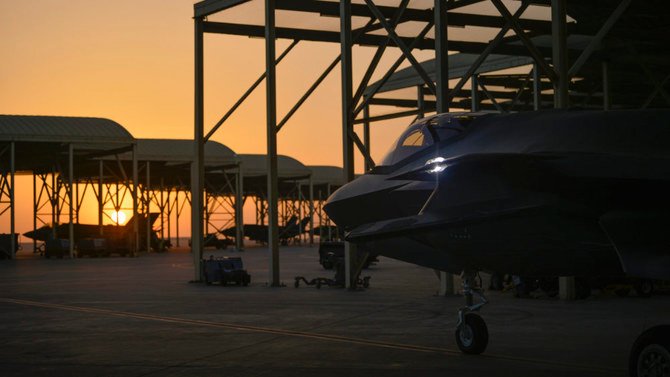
(472,335)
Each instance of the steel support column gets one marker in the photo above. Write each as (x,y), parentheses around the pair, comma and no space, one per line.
(135,197)
(12,200)
(311,211)
(198,165)
(239,209)
(441,57)
(271,130)
(366,135)
(560,55)
(70,182)
(101,205)
(350,255)
(537,88)
(420,103)
(147,204)
(606,87)
(560,59)
(474,95)
(35,205)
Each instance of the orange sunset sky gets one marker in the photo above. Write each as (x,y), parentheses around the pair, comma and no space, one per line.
(132,61)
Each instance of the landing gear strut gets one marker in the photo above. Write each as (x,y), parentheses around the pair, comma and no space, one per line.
(472,335)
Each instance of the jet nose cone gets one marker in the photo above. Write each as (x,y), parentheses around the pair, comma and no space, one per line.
(39,234)
(361,201)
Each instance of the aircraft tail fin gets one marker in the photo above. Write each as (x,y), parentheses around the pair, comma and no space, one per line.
(153,216)
(303,223)
(292,221)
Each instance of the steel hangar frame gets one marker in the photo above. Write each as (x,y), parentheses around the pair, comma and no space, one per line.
(354,103)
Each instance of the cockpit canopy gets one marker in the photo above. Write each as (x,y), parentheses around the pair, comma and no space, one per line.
(427,132)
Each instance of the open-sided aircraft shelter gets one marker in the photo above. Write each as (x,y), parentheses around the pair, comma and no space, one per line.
(608,52)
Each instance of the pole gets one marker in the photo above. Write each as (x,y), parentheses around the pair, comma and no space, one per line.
(12,200)
(239,209)
(474,93)
(537,87)
(176,223)
(136,223)
(606,87)
(35,205)
(271,108)
(420,103)
(69,197)
(350,255)
(147,206)
(560,56)
(311,211)
(441,56)
(197,167)
(566,284)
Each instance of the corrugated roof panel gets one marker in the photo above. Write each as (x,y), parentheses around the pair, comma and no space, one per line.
(323,175)
(57,129)
(182,150)
(255,165)
(458,66)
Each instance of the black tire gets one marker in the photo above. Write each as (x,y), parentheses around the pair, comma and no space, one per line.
(472,336)
(650,355)
(644,288)
(327,265)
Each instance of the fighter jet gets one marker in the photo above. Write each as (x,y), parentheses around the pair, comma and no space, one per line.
(116,236)
(259,233)
(556,193)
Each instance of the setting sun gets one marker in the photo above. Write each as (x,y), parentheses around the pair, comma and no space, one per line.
(118,217)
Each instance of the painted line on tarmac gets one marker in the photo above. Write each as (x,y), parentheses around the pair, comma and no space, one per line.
(292,333)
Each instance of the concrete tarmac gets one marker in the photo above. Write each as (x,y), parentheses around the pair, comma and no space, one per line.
(141,317)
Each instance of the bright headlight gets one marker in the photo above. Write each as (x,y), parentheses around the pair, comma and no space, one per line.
(437,163)
(437,168)
(436,160)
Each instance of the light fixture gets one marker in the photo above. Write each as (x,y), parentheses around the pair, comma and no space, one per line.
(438,165)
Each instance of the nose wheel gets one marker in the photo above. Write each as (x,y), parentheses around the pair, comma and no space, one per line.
(472,335)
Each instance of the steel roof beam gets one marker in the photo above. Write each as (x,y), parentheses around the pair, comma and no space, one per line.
(391,70)
(521,33)
(378,55)
(597,39)
(364,40)
(403,46)
(487,50)
(378,118)
(331,9)
(207,7)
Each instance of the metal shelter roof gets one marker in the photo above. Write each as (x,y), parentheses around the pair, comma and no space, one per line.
(324,175)
(181,150)
(42,142)
(458,66)
(58,129)
(255,165)
(633,44)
